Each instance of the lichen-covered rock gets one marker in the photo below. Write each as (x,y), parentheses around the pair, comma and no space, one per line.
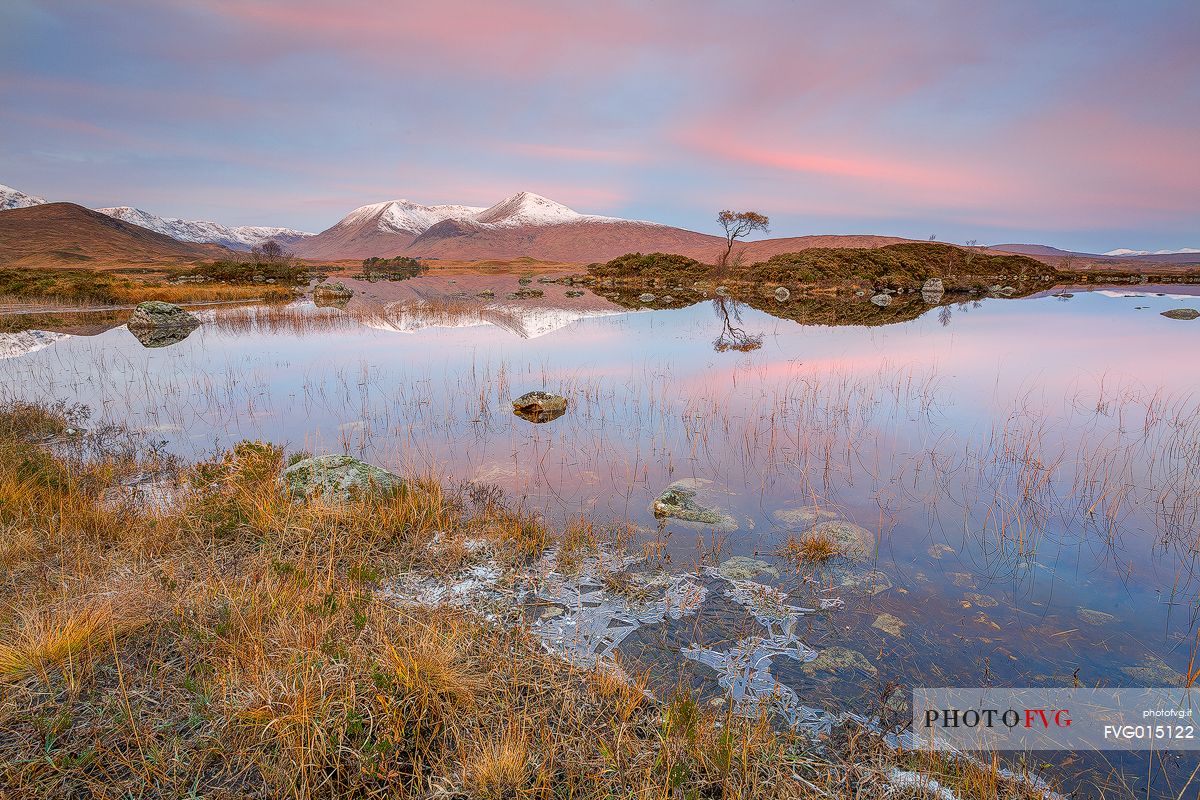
(782,294)
(680,501)
(1181,313)
(646,297)
(337,478)
(540,406)
(882,300)
(156,314)
(934,285)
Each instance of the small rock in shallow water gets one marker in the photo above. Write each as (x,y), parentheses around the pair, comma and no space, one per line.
(337,478)
(836,659)
(742,568)
(982,600)
(679,501)
(889,624)
(801,517)
(1094,617)
(540,406)
(939,550)
(1153,671)
(1181,313)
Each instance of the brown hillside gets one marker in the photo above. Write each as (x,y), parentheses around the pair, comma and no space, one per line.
(65,234)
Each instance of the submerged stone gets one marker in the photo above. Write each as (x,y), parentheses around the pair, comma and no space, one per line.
(336,478)
(890,624)
(538,407)
(801,517)
(837,659)
(679,501)
(744,568)
(1153,671)
(1094,617)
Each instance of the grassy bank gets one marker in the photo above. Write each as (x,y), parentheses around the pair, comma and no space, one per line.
(236,643)
(136,286)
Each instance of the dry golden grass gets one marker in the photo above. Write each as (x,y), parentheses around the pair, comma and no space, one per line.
(809,548)
(499,769)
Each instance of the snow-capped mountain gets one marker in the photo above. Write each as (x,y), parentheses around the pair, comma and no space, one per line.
(402,216)
(1124,251)
(242,237)
(13,198)
(390,228)
(526,208)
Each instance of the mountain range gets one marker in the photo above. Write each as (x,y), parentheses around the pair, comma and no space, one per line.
(523,225)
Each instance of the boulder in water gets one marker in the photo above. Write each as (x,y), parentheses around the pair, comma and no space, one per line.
(681,501)
(336,478)
(540,406)
(331,295)
(158,324)
(157,314)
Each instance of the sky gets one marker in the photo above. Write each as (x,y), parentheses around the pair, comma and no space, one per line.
(1075,124)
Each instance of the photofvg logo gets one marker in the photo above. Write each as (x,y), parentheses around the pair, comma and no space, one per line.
(1056,719)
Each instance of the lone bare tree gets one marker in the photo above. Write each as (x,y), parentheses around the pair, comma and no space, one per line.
(738,225)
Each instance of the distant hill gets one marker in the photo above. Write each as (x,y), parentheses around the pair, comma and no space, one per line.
(57,234)
(1053,255)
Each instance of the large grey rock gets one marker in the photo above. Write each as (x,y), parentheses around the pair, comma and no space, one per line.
(934,285)
(540,406)
(681,500)
(337,478)
(157,314)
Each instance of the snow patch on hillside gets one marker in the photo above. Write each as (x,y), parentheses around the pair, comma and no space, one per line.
(1125,251)
(241,237)
(11,198)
